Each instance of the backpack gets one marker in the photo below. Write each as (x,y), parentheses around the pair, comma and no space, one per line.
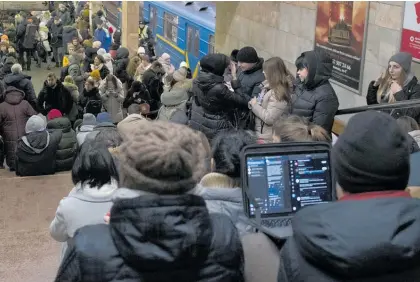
(93,107)
(29,41)
(42,53)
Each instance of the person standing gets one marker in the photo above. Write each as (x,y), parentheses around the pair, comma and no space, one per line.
(14,113)
(315,98)
(250,74)
(397,83)
(22,82)
(112,94)
(54,96)
(57,41)
(274,101)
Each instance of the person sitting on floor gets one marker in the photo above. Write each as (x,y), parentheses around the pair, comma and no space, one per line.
(68,144)
(36,150)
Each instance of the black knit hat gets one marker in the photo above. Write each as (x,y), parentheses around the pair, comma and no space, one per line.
(372,154)
(247,55)
(214,63)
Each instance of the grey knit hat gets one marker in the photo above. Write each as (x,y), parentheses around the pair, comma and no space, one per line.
(89,119)
(35,123)
(403,59)
(162,158)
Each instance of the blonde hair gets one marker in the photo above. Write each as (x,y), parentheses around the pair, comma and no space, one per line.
(295,128)
(278,78)
(386,84)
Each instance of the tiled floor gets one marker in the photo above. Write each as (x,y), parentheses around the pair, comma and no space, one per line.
(27,206)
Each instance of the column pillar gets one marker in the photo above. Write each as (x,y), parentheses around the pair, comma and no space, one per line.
(130,25)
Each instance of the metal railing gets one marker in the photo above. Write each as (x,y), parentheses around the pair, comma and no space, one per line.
(340,125)
(379,107)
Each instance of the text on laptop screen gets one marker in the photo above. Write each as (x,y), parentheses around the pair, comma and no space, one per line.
(284,184)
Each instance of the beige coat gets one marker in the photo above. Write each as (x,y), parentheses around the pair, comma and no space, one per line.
(267,114)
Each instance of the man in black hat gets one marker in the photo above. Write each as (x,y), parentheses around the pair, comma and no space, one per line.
(372,232)
(250,74)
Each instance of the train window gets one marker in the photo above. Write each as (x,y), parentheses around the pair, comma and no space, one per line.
(170,27)
(153,19)
(193,41)
(211,44)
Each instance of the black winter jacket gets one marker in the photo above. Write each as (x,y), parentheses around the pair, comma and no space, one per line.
(55,98)
(156,238)
(22,82)
(89,58)
(121,64)
(214,106)
(409,92)
(315,98)
(86,96)
(36,152)
(366,240)
(248,82)
(68,143)
(56,35)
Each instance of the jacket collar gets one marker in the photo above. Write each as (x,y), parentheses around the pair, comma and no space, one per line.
(375,195)
(85,192)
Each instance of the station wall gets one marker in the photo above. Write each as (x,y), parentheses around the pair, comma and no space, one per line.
(286,29)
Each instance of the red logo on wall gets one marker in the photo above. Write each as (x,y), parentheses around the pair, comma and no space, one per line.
(410,38)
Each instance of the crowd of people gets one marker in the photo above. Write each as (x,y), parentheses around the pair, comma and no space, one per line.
(154,156)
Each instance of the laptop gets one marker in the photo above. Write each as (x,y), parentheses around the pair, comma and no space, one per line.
(278,180)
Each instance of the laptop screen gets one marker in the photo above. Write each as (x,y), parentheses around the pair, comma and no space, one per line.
(283,184)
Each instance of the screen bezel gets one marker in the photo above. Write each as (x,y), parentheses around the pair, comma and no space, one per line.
(280,151)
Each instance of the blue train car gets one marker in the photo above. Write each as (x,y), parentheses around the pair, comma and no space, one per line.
(184,30)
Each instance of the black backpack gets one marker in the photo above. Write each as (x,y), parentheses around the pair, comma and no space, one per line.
(42,53)
(29,41)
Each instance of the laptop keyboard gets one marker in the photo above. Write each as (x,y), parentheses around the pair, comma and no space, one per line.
(278,222)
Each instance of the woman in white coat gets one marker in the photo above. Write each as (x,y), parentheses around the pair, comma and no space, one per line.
(95,178)
(43,37)
(112,94)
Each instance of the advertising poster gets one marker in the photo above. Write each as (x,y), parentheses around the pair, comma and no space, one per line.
(410,37)
(340,32)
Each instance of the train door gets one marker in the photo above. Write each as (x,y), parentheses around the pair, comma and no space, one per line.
(193,47)
(153,18)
